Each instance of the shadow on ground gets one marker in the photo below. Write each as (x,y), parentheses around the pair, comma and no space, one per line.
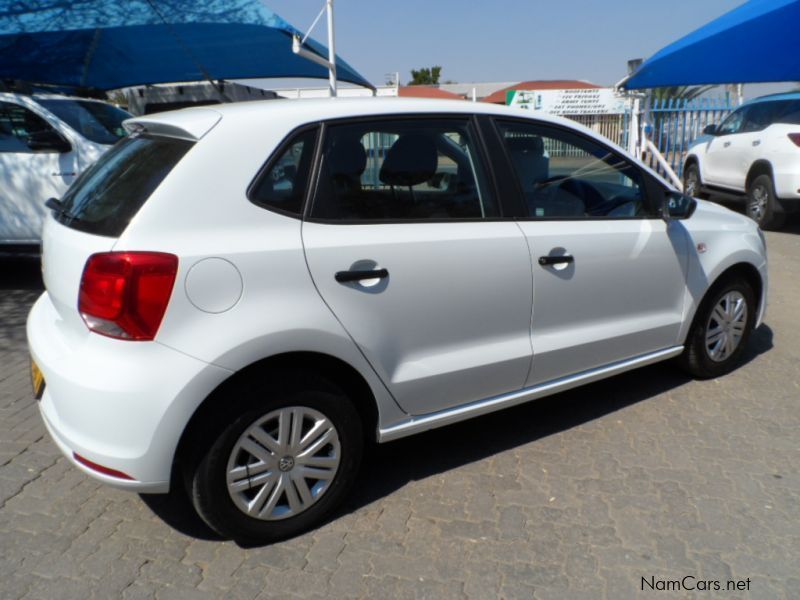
(389,467)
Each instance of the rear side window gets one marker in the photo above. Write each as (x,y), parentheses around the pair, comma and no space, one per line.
(108,195)
(282,185)
(790,113)
(96,121)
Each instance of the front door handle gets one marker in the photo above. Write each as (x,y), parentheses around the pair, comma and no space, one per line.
(347,276)
(556,260)
(726,144)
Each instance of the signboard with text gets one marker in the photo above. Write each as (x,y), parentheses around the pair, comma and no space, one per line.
(597,101)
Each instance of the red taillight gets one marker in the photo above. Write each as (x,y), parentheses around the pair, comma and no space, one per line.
(125,294)
(795,137)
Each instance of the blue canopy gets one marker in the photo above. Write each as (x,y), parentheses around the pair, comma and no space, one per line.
(756,42)
(105,44)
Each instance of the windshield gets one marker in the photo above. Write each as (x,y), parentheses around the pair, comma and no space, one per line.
(96,121)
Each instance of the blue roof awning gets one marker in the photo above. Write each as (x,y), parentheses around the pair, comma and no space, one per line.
(108,45)
(756,42)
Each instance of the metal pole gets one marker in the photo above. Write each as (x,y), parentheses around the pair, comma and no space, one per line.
(331,49)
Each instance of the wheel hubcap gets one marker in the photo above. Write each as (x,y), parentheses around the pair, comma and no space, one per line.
(283,463)
(690,186)
(726,326)
(757,205)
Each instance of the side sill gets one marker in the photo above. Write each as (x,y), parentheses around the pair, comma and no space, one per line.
(421,423)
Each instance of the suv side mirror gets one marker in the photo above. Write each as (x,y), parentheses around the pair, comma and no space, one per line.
(48,140)
(677,206)
(710,129)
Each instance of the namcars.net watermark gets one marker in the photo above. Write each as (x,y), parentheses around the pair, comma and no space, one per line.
(690,583)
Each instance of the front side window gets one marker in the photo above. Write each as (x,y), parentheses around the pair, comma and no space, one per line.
(108,195)
(760,116)
(17,125)
(733,123)
(402,170)
(282,185)
(96,121)
(563,175)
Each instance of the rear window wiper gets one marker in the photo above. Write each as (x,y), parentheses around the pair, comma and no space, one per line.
(57,206)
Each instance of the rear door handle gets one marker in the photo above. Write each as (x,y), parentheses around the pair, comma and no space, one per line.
(346,276)
(756,142)
(556,260)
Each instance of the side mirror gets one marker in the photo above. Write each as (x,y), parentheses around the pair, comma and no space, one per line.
(677,206)
(710,130)
(48,140)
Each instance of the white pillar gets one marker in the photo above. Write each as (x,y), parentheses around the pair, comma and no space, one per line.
(331,50)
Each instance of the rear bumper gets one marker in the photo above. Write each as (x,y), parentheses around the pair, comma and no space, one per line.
(787,188)
(122,405)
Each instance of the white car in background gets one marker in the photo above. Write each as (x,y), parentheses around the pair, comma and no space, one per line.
(753,154)
(240,298)
(46,141)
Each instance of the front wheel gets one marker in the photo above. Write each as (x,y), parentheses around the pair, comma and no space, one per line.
(720,330)
(691,182)
(762,205)
(282,466)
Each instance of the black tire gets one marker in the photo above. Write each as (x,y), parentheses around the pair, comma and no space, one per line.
(696,358)
(692,182)
(209,490)
(762,205)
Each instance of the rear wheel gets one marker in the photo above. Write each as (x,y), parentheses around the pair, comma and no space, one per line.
(283,465)
(720,331)
(762,205)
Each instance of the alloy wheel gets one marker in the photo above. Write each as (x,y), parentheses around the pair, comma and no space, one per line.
(726,326)
(757,203)
(283,463)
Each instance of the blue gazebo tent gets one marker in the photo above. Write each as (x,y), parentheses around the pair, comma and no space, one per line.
(102,45)
(756,42)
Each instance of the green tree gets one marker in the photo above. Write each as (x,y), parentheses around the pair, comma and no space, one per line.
(425,76)
(680,92)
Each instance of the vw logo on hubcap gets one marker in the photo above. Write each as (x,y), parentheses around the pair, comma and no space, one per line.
(286,463)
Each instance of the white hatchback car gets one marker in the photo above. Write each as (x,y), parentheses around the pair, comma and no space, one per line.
(239,298)
(46,141)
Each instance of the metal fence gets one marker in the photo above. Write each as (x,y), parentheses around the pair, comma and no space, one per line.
(672,124)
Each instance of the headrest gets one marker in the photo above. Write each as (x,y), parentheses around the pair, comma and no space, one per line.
(526,145)
(348,158)
(411,160)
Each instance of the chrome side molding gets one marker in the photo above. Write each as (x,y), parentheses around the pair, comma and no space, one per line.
(420,423)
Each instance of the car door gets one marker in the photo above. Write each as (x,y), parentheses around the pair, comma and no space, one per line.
(722,158)
(28,175)
(608,274)
(750,140)
(406,244)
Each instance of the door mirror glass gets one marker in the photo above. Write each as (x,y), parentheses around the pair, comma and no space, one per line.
(48,140)
(710,130)
(678,205)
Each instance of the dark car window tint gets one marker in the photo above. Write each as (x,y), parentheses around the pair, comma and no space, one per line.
(564,175)
(790,114)
(96,121)
(760,116)
(733,123)
(107,196)
(282,186)
(17,124)
(420,169)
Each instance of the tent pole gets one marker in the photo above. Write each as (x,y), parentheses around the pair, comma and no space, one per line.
(331,49)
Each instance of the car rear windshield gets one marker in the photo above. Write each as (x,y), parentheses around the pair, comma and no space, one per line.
(96,121)
(108,195)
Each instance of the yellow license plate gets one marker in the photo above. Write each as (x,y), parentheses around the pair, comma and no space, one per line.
(38,380)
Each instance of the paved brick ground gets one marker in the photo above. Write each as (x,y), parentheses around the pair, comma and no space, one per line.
(577,496)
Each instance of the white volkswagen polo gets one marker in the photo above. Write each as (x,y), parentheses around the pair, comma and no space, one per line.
(240,298)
